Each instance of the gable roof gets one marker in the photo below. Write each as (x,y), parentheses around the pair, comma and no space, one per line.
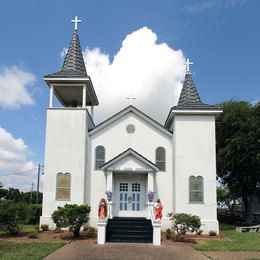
(127,152)
(136,111)
(73,65)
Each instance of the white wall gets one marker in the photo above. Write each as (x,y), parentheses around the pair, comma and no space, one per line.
(194,154)
(65,151)
(145,140)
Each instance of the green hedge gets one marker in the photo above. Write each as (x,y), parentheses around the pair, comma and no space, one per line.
(14,215)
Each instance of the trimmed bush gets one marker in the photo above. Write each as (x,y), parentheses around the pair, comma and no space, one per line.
(212,233)
(184,223)
(32,235)
(72,216)
(45,227)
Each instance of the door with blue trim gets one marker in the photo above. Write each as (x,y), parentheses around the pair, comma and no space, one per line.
(130,196)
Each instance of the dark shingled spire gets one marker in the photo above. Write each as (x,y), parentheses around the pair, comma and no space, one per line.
(73,66)
(189,97)
(189,94)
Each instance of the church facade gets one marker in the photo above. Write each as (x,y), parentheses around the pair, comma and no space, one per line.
(128,155)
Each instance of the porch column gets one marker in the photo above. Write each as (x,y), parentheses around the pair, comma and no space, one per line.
(150,187)
(84,96)
(110,188)
(150,181)
(51,96)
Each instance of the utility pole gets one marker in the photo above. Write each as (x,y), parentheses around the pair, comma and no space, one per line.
(38,182)
(31,194)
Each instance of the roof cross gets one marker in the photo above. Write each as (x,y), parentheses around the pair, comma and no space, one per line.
(131,99)
(76,21)
(188,63)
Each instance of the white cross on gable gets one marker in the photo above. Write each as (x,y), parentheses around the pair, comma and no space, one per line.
(131,99)
(76,21)
(188,63)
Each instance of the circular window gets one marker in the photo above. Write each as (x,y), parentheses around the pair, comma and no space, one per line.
(130,129)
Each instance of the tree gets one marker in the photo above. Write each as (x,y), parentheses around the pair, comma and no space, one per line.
(72,216)
(238,150)
(228,198)
(12,216)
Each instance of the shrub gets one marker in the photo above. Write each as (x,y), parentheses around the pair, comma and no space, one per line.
(34,211)
(183,238)
(36,228)
(169,233)
(212,233)
(45,227)
(72,216)
(32,235)
(199,232)
(90,232)
(184,223)
(12,216)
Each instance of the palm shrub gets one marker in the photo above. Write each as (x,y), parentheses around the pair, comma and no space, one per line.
(184,223)
(72,216)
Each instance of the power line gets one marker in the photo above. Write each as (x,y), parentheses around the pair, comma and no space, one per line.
(20,172)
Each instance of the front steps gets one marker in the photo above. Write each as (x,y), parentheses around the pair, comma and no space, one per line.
(133,230)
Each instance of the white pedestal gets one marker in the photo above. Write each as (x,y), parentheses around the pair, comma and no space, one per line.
(150,209)
(157,225)
(101,236)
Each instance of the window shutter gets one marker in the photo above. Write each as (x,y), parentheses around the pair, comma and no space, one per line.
(63,186)
(99,156)
(160,158)
(196,189)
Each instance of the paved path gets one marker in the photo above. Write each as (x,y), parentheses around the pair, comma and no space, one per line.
(90,250)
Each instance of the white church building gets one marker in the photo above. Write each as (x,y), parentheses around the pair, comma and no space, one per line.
(129,154)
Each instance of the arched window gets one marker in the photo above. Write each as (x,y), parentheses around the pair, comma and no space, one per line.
(99,156)
(160,158)
(196,189)
(63,186)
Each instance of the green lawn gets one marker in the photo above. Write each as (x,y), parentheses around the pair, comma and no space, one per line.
(246,241)
(25,251)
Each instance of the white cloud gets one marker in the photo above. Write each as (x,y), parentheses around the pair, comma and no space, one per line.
(150,71)
(13,159)
(14,83)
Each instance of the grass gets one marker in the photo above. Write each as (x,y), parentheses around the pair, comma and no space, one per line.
(246,241)
(24,251)
(28,250)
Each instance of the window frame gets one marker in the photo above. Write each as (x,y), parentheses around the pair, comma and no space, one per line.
(57,188)
(161,161)
(202,189)
(95,161)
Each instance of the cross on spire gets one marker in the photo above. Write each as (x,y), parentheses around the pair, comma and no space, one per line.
(131,99)
(188,63)
(76,21)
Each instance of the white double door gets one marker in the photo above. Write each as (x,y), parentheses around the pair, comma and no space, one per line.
(130,197)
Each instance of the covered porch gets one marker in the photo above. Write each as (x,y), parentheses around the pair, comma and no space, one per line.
(129,178)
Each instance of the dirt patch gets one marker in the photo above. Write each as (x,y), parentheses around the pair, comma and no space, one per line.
(44,236)
(194,237)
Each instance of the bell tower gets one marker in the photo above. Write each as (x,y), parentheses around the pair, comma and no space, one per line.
(67,126)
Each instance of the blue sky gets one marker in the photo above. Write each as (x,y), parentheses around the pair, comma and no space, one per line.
(222,38)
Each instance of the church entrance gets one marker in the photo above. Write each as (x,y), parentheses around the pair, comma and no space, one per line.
(130,199)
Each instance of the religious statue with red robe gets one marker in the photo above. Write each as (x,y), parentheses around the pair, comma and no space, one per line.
(158,209)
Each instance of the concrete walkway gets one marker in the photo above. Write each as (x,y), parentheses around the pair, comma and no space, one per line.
(85,249)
